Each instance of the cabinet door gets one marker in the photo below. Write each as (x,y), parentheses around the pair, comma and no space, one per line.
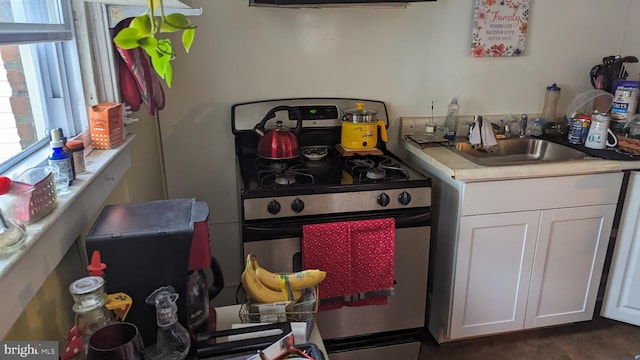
(571,247)
(493,267)
(622,298)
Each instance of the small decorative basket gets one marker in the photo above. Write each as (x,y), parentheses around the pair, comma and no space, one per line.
(35,197)
(304,310)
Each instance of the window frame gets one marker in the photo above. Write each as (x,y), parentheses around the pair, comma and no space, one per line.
(53,69)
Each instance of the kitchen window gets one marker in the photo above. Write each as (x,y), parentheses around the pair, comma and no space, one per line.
(41,87)
(40,82)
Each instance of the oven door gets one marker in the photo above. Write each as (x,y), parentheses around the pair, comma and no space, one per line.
(405,310)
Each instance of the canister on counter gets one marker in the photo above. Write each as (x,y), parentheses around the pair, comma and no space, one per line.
(579,128)
(77,154)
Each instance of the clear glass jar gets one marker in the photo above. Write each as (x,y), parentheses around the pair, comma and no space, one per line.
(89,305)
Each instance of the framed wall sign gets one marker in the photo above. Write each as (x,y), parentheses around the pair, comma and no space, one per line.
(499,27)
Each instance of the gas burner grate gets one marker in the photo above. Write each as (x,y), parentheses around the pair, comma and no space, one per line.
(375,168)
(283,172)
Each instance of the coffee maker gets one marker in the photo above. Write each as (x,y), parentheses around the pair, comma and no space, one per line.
(154,244)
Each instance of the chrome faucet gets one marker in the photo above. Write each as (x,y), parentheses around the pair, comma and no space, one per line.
(523,125)
(470,124)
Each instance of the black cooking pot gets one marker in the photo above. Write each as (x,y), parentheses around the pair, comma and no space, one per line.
(279,143)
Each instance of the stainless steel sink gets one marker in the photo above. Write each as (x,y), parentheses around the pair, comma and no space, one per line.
(519,152)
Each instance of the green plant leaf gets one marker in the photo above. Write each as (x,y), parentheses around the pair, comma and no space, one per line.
(159,63)
(168,74)
(175,22)
(187,38)
(127,38)
(149,44)
(142,24)
(165,47)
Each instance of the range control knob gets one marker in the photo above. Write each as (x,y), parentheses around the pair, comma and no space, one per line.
(404,198)
(297,205)
(273,207)
(383,199)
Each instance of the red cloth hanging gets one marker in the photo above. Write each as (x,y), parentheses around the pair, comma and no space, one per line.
(358,257)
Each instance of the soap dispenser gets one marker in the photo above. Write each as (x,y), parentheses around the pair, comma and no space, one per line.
(174,340)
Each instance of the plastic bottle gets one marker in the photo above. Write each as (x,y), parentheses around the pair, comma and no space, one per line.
(551,97)
(451,122)
(60,161)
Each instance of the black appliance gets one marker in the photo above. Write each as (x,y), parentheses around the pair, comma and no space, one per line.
(325,185)
(149,245)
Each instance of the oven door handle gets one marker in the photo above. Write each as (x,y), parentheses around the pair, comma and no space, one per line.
(279,229)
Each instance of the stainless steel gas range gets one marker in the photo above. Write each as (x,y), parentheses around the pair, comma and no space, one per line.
(279,197)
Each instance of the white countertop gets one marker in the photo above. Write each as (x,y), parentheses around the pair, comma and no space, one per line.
(459,168)
(228,315)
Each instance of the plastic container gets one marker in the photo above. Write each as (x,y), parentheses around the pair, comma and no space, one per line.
(451,122)
(588,101)
(551,97)
(34,198)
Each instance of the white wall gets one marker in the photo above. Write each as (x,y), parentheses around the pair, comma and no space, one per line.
(405,57)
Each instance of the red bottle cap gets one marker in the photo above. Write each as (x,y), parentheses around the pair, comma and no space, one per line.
(5,185)
(96,267)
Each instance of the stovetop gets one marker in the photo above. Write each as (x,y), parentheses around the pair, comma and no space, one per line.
(333,173)
(321,125)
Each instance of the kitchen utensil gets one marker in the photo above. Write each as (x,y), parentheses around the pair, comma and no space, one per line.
(360,129)
(279,143)
(199,295)
(118,341)
(612,68)
(599,132)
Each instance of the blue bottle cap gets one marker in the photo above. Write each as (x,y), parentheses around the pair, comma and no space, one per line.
(553,87)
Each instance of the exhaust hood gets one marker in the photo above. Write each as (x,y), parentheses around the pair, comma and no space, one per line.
(333,3)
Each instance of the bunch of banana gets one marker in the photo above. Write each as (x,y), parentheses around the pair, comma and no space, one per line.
(267,287)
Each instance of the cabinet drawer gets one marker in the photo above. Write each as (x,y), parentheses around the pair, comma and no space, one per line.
(540,193)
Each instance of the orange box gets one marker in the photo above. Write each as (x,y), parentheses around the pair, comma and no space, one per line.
(106,125)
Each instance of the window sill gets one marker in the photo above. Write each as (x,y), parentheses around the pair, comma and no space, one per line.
(48,240)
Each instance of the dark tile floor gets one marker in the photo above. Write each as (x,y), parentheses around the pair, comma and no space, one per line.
(600,339)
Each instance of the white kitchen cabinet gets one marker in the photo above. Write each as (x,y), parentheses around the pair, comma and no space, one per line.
(517,254)
(622,295)
(528,269)
(570,253)
(493,267)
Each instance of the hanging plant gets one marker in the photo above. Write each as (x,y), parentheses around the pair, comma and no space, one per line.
(144,31)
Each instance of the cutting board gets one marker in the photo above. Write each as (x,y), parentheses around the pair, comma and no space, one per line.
(350,152)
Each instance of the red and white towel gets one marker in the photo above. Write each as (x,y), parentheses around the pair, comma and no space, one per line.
(358,257)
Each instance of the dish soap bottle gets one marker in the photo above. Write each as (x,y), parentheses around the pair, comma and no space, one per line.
(451,122)
(174,340)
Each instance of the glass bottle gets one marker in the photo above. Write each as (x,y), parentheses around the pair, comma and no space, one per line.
(89,305)
(61,162)
(174,340)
